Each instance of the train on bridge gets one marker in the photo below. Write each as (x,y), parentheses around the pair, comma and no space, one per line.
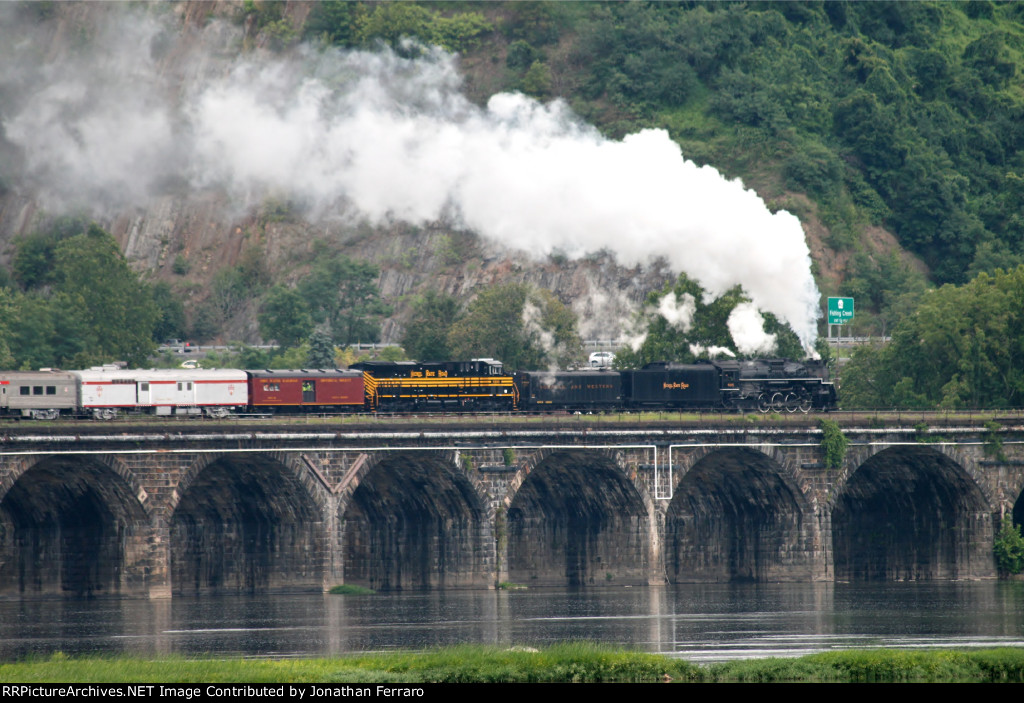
(478,385)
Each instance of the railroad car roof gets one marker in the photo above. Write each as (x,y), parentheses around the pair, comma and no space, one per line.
(304,373)
(42,375)
(154,375)
(591,373)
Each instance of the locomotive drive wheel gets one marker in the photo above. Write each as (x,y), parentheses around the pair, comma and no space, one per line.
(764,403)
(792,402)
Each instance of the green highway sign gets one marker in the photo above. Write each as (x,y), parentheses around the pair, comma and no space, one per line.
(840,310)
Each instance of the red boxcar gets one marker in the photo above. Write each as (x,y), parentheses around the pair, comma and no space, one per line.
(313,390)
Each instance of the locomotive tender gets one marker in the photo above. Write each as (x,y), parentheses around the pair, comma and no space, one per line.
(778,385)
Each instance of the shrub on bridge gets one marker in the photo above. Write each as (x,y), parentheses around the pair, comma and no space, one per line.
(833,443)
(1009,548)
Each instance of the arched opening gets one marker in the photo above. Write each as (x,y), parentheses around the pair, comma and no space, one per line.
(576,520)
(246,525)
(414,522)
(911,513)
(735,518)
(67,526)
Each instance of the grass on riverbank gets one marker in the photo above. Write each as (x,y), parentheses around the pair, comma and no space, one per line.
(570,662)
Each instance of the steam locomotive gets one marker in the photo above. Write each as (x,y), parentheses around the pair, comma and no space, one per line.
(767,385)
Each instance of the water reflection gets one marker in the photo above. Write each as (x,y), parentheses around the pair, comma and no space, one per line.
(700,622)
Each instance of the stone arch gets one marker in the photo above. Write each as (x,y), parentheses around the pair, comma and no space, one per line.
(247,522)
(74,525)
(575,518)
(911,512)
(413,520)
(739,514)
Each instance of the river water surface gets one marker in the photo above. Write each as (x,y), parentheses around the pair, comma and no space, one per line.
(698,622)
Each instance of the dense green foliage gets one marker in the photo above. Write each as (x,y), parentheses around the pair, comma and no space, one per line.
(359,24)
(908,112)
(525,327)
(963,347)
(78,302)
(336,303)
(578,662)
(285,317)
(426,332)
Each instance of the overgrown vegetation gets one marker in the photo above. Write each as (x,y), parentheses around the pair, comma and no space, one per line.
(833,443)
(993,442)
(899,114)
(1009,547)
(577,662)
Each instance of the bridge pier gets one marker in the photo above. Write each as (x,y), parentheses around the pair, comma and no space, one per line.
(88,517)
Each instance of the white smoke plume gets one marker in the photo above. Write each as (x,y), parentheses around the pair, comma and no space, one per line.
(711,352)
(388,138)
(609,312)
(678,313)
(746,325)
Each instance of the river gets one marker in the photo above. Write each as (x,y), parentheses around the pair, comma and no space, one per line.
(699,622)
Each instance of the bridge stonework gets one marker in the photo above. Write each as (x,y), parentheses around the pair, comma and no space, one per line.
(155,514)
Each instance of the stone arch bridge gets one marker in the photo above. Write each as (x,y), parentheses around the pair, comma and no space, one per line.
(156,510)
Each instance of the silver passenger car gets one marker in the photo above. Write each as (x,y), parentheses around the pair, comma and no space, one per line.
(42,394)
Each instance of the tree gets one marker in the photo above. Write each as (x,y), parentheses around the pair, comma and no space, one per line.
(284,317)
(33,263)
(342,293)
(321,351)
(426,333)
(116,308)
(171,322)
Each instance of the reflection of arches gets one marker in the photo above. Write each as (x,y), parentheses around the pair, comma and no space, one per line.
(911,513)
(415,522)
(738,516)
(72,525)
(246,523)
(577,520)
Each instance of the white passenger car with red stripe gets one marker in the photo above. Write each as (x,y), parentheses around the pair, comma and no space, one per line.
(104,390)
